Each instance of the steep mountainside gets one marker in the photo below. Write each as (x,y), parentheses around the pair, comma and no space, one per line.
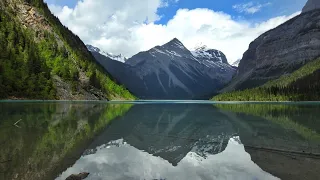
(279,51)
(42,59)
(171,71)
(311,5)
(301,85)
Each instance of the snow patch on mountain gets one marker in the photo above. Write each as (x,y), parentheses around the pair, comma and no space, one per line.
(175,43)
(119,57)
(203,52)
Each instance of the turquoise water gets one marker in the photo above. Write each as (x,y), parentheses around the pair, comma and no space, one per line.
(159,140)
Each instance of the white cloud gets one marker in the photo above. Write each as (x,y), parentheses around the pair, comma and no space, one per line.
(250,7)
(128,26)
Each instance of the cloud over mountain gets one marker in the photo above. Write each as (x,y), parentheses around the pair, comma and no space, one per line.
(129,26)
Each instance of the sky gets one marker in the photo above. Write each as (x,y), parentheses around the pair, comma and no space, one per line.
(129,26)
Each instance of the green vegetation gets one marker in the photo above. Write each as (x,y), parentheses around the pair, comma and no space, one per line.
(23,73)
(51,136)
(301,85)
(288,117)
(31,58)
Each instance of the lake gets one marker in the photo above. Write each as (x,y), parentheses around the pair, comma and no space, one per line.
(163,140)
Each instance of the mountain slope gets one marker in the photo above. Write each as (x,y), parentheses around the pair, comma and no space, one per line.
(301,85)
(171,71)
(282,64)
(279,51)
(311,5)
(42,59)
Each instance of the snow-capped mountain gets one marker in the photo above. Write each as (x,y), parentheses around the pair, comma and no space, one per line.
(119,57)
(204,53)
(171,71)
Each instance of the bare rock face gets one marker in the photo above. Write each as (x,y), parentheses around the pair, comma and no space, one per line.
(311,5)
(279,51)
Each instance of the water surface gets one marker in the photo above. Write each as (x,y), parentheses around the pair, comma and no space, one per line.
(159,140)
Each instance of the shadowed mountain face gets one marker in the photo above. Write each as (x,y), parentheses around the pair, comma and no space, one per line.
(311,5)
(279,51)
(171,71)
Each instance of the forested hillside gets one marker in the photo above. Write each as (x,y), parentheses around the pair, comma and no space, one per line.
(301,85)
(42,59)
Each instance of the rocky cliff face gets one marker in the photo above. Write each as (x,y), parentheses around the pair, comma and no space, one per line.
(311,5)
(279,51)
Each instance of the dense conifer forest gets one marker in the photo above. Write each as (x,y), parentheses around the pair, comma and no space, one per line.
(30,59)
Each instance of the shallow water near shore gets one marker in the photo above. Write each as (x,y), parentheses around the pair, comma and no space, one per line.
(159,140)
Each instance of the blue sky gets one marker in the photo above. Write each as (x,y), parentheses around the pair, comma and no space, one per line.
(119,26)
(275,8)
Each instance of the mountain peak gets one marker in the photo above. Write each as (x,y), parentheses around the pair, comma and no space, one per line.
(174,44)
(175,40)
(202,51)
(201,47)
(311,5)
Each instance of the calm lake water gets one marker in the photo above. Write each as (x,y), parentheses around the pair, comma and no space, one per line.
(183,140)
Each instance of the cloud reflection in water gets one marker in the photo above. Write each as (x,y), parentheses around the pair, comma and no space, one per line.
(118,160)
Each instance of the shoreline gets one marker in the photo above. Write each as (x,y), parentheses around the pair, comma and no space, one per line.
(160,102)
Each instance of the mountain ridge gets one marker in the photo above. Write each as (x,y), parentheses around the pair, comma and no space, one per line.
(119,57)
(281,64)
(279,51)
(171,71)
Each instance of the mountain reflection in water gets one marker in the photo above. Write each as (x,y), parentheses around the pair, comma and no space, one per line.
(51,140)
(189,141)
(119,160)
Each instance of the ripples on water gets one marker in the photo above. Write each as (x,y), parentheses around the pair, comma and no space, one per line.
(167,140)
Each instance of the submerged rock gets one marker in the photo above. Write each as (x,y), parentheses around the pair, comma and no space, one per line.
(79,176)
